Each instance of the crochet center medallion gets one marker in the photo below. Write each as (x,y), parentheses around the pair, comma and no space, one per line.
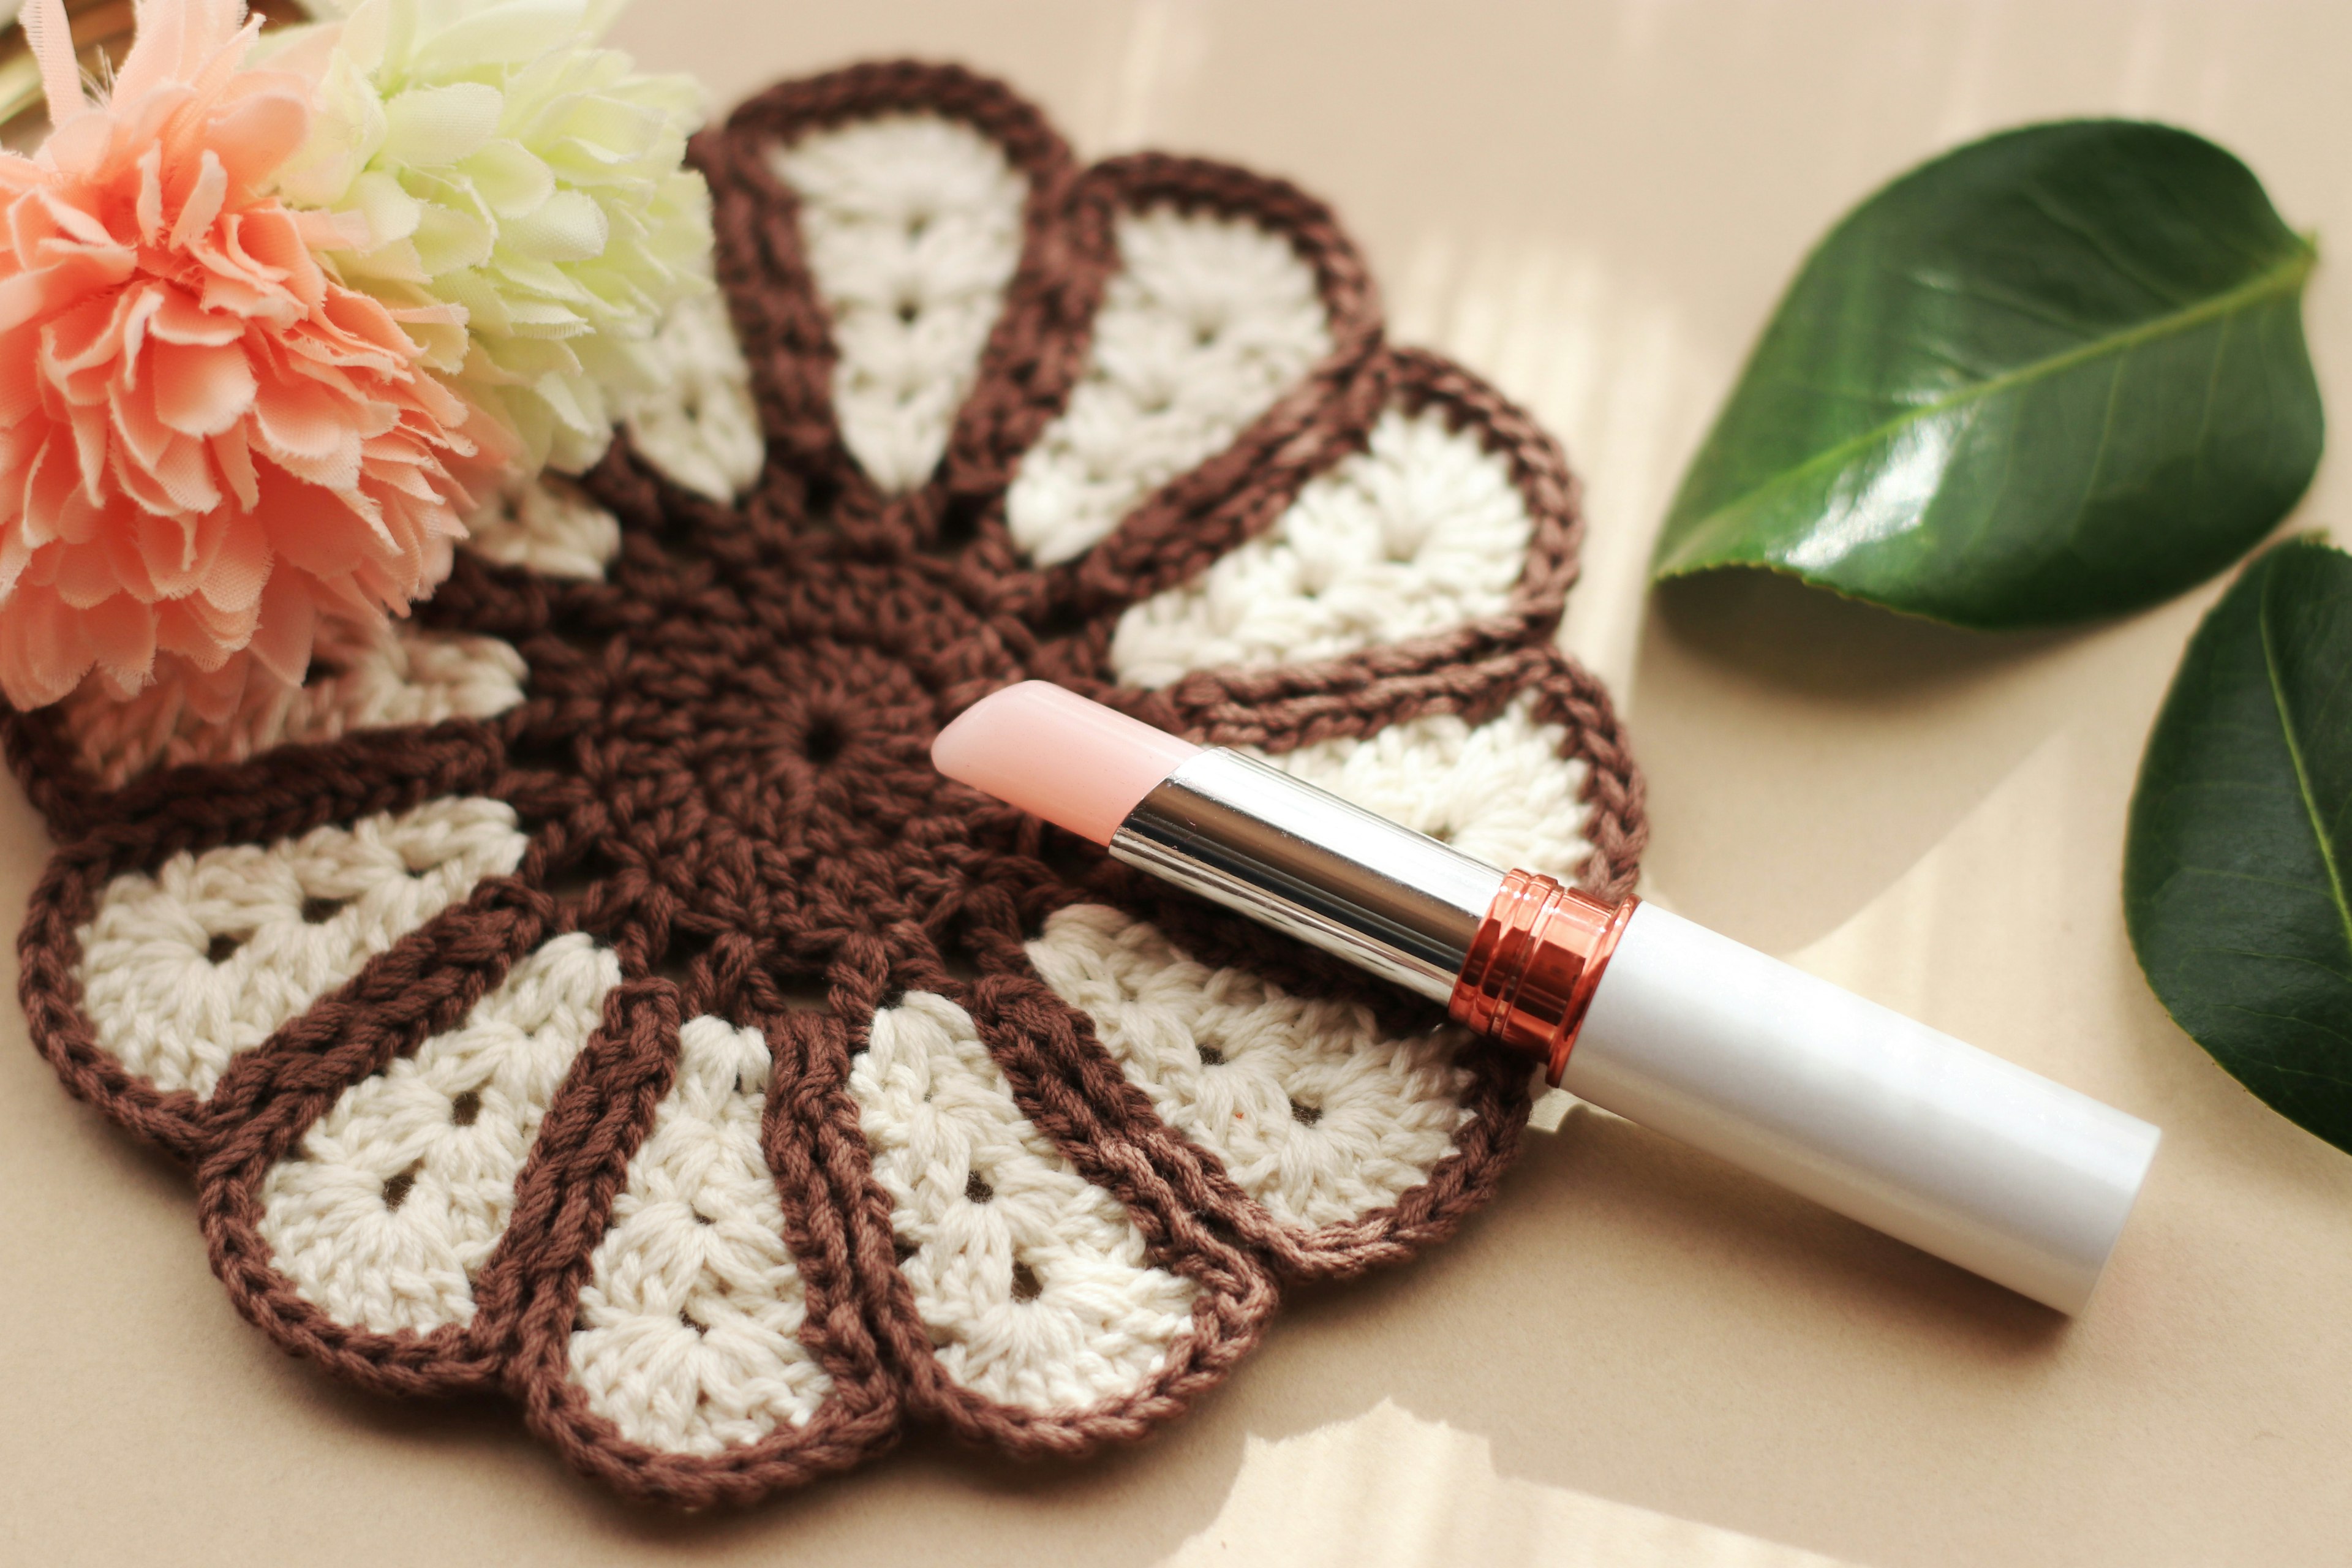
(589,990)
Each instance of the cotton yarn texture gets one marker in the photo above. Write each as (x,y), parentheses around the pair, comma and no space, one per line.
(587,989)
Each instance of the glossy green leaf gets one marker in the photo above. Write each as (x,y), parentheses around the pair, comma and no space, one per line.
(2059,373)
(2236,872)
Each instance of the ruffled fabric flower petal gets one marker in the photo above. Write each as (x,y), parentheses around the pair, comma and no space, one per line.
(209,445)
(498,161)
(717,1078)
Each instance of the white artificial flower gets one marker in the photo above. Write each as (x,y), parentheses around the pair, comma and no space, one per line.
(508,165)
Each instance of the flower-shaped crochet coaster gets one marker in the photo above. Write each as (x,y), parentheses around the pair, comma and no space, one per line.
(590,990)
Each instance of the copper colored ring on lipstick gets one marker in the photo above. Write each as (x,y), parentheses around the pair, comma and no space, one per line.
(1535,963)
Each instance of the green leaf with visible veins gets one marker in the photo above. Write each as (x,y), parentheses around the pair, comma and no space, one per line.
(2240,855)
(2057,373)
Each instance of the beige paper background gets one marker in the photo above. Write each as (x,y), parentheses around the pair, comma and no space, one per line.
(1595,205)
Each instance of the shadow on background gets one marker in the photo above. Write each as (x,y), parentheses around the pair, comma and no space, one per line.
(1623,1272)
(1803,749)
(1830,648)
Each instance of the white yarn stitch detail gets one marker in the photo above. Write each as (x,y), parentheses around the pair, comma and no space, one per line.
(1315,1113)
(1500,792)
(546,524)
(373,678)
(169,1014)
(697,422)
(1423,530)
(937,1112)
(912,228)
(327,1211)
(1205,324)
(697,1238)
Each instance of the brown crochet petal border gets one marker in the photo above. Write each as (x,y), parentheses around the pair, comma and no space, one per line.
(1201,514)
(1496,1100)
(274,1095)
(809,1138)
(1346,696)
(782,323)
(192,809)
(1034,1037)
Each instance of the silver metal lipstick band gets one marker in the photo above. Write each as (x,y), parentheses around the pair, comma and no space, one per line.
(1303,861)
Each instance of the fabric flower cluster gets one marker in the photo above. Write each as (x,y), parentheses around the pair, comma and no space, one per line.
(270,327)
(541,190)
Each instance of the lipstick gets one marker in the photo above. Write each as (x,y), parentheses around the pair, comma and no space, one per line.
(1628,1006)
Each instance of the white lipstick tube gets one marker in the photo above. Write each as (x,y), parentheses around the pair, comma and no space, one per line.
(1953,1150)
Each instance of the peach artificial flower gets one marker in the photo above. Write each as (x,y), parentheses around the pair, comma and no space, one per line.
(207,442)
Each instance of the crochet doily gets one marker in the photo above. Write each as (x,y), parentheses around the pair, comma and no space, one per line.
(589,990)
